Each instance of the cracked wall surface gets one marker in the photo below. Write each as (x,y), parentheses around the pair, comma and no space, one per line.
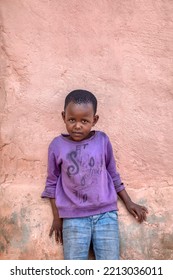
(121,52)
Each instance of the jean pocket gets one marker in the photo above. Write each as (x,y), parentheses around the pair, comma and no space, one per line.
(113,214)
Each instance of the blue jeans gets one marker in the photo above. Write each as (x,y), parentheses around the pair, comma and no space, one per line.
(102,230)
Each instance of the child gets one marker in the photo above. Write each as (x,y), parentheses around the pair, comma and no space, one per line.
(83,184)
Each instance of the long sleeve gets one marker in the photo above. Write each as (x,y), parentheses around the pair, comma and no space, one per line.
(53,172)
(111,168)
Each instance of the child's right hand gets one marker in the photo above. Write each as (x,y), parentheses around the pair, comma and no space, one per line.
(57,228)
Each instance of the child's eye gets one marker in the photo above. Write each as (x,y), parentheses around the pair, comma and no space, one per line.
(84,121)
(71,120)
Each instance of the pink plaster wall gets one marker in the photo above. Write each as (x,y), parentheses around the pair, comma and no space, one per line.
(123,52)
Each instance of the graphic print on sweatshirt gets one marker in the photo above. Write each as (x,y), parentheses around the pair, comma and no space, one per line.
(84,167)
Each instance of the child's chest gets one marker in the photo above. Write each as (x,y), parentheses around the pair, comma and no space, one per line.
(85,158)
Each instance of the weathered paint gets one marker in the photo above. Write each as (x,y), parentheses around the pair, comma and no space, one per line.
(121,51)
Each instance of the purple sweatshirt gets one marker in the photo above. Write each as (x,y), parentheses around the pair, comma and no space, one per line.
(82,176)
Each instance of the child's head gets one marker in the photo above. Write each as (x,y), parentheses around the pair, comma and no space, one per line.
(80,96)
(79,114)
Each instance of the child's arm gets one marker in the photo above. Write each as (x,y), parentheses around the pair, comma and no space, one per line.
(138,211)
(53,172)
(57,223)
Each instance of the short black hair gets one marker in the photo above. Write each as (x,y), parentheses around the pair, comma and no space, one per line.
(80,96)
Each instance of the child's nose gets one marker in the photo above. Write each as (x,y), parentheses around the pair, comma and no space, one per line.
(78,125)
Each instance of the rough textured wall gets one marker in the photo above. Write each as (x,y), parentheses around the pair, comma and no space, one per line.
(120,50)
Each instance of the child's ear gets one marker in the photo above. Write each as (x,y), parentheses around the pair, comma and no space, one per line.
(96,118)
(63,115)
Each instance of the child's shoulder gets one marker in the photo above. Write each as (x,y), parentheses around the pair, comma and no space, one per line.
(102,134)
(55,141)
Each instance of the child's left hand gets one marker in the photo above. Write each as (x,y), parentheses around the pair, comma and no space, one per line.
(138,211)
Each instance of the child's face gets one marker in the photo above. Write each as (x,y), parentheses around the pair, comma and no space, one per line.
(79,119)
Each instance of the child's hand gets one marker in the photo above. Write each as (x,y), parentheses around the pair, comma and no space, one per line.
(138,211)
(57,228)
